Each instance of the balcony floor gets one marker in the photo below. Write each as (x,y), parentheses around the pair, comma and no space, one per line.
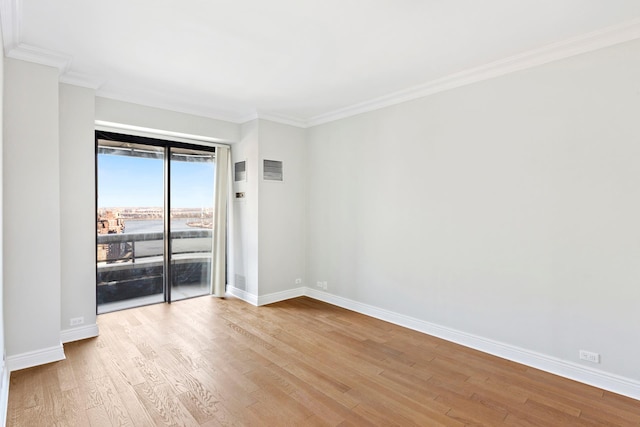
(177,293)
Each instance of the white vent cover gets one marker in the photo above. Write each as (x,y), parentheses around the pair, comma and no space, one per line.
(241,282)
(240,171)
(272,170)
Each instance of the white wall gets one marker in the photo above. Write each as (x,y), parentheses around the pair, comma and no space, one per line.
(282,225)
(110,110)
(31,228)
(243,271)
(49,203)
(268,242)
(507,209)
(77,208)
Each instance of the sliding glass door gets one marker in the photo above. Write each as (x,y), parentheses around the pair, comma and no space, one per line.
(130,224)
(191,206)
(155,208)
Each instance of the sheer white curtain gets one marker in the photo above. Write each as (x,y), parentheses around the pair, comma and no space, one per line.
(221,195)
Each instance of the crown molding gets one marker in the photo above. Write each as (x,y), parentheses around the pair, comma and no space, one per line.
(57,60)
(248,117)
(178,107)
(80,79)
(202,112)
(273,117)
(282,119)
(595,40)
(10,17)
(41,56)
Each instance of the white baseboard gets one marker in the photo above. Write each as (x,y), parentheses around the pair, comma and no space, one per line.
(4,394)
(243,295)
(597,378)
(259,300)
(35,358)
(281,296)
(79,333)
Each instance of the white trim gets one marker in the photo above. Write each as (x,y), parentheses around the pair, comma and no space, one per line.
(158,133)
(41,56)
(11,16)
(259,300)
(4,394)
(173,105)
(79,79)
(281,296)
(609,36)
(285,120)
(35,358)
(599,39)
(243,295)
(563,368)
(248,118)
(273,117)
(79,333)
(584,43)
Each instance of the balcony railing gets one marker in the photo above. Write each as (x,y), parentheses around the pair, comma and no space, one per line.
(132,265)
(114,248)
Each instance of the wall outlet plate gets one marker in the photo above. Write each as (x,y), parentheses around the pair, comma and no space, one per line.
(76,321)
(589,356)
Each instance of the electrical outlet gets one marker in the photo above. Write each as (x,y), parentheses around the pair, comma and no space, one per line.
(324,285)
(76,321)
(319,284)
(589,356)
(298,281)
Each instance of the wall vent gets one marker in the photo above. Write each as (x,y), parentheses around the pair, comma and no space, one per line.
(240,171)
(241,282)
(272,170)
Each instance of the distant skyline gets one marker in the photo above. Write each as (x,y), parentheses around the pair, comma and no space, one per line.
(139,182)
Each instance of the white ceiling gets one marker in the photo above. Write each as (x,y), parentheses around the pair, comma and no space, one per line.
(305,61)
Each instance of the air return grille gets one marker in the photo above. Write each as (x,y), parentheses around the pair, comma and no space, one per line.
(240,171)
(272,170)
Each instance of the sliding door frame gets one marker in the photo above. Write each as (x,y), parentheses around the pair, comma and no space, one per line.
(167,144)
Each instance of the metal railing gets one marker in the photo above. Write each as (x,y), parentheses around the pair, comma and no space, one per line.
(114,248)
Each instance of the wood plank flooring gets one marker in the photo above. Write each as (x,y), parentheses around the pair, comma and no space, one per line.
(211,362)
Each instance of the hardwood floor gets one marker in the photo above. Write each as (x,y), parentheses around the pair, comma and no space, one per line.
(301,362)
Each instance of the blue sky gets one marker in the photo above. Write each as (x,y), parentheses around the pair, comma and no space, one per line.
(138,182)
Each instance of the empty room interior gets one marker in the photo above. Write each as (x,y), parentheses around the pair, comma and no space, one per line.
(320,213)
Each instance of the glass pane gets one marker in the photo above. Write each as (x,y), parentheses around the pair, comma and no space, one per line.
(130,226)
(191,201)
